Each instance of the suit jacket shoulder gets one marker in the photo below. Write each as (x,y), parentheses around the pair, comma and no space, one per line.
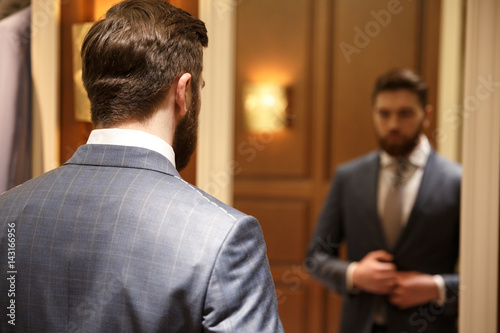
(447,167)
(122,243)
(369,160)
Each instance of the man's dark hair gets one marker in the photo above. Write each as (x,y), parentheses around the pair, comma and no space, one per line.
(396,79)
(132,56)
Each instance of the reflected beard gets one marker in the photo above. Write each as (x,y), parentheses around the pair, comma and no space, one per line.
(403,149)
(186,135)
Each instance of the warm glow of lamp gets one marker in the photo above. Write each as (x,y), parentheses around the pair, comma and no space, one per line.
(265,106)
(82,103)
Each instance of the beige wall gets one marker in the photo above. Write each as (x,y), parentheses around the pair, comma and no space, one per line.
(481,167)
(450,89)
(214,172)
(45,26)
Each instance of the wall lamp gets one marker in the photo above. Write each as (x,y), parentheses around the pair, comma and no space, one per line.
(265,107)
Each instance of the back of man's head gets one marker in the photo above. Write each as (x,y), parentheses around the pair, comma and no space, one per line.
(132,56)
(396,79)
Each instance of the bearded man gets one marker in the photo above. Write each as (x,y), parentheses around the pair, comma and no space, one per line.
(398,210)
(114,240)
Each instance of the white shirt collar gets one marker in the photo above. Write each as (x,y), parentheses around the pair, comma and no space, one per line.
(132,138)
(418,157)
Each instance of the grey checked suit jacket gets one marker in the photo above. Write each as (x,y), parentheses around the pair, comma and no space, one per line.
(115,241)
(429,242)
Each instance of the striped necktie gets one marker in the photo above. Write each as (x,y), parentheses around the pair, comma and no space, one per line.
(393,207)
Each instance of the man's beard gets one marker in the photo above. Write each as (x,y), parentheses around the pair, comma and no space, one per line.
(186,135)
(403,149)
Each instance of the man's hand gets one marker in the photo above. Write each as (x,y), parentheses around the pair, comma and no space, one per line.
(375,273)
(413,289)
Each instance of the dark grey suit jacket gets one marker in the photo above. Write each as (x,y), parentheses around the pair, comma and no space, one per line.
(116,241)
(429,243)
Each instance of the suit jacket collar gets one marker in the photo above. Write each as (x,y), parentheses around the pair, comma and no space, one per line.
(372,176)
(122,157)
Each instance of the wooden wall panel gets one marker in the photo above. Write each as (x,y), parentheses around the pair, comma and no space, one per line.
(73,133)
(297,298)
(429,53)
(369,37)
(284,225)
(293,309)
(334,306)
(273,46)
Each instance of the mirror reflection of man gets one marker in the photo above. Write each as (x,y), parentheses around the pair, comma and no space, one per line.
(398,211)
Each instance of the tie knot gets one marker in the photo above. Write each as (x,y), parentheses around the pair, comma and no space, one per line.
(402,171)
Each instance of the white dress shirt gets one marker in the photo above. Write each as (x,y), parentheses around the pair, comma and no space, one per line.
(132,138)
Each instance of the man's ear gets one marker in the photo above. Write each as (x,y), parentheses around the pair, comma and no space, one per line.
(183,94)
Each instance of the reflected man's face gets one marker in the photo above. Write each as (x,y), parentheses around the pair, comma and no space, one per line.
(399,120)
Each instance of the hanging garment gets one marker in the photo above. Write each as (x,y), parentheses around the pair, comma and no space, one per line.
(9,7)
(15,99)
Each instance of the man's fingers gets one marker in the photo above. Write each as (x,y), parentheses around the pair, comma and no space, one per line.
(382,255)
(387,266)
(407,274)
(396,298)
